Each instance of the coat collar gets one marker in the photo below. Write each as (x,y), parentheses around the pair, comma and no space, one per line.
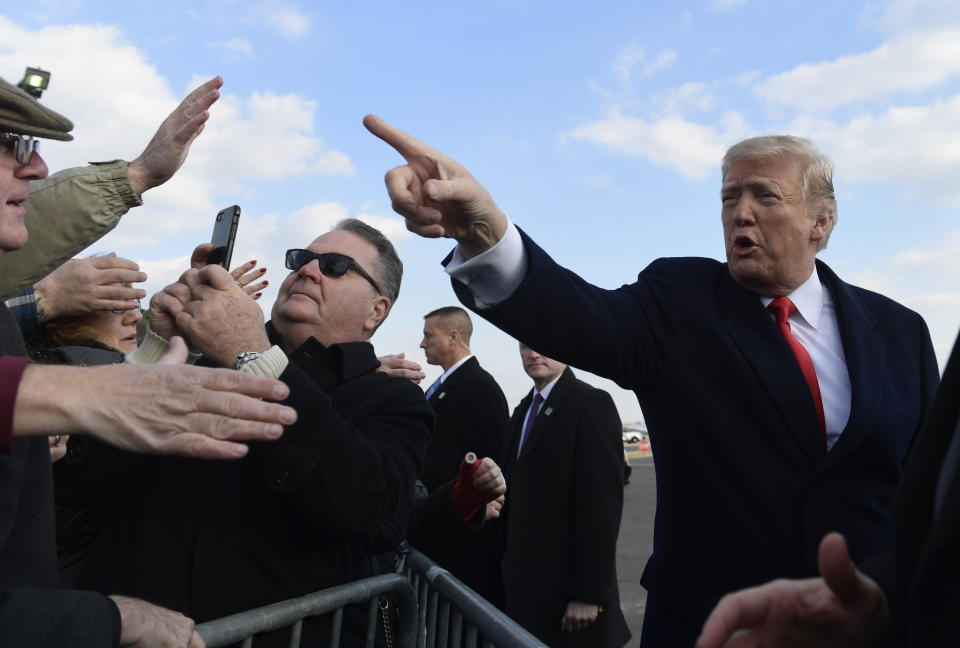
(453,380)
(330,366)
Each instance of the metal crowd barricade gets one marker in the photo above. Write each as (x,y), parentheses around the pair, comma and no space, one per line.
(435,610)
(243,626)
(451,615)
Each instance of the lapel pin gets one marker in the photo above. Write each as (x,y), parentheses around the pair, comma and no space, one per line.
(442,394)
(548,411)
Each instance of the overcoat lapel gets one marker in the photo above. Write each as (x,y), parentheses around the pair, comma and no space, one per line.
(753,331)
(452,382)
(866,357)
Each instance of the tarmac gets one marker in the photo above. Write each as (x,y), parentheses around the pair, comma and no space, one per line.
(635,543)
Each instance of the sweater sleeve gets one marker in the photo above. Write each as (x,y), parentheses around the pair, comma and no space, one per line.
(66,212)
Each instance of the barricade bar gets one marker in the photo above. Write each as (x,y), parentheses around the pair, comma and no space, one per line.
(233,628)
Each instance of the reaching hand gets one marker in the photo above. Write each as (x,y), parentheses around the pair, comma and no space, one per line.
(396,365)
(247,278)
(83,286)
(493,508)
(578,616)
(220,320)
(168,149)
(172,408)
(488,478)
(843,608)
(147,625)
(436,195)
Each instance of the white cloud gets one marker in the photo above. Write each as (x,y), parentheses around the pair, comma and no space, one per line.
(914,146)
(908,63)
(691,149)
(235,47)
(597,180)
(678,100)
(725,5)
(663,60)
(899,15)
(630,57)
(625,61)
(116,99)
(289,22)
(925,280)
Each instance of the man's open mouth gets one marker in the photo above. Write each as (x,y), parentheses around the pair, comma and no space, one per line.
(742,243)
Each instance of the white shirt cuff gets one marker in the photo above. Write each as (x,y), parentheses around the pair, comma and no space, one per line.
(152,348)
(495,274)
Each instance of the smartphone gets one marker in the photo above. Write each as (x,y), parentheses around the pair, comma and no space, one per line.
(224,232)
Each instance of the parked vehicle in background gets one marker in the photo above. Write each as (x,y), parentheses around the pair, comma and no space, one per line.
(634,433)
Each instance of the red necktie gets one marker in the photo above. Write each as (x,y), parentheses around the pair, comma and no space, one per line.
(782,308)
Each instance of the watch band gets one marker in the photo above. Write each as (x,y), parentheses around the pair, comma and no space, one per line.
(245,358)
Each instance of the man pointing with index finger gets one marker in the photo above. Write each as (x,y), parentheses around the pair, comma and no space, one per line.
(780,400)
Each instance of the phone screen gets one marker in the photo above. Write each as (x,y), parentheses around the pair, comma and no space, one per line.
(224,233)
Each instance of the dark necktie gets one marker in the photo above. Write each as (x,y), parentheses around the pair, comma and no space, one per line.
(433,388)
(782,308)
(531,415)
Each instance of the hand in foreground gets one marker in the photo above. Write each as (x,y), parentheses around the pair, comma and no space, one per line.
(83,286)
(436,195)
(493,508)
(488,478)
(58,447)
(249,279)
(396,365)
(168,303)
(165,408)
(220,320)
(147,625)
(843,608)
(578,616)
(169,146)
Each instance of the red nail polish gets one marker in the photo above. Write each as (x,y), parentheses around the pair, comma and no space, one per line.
(262,270)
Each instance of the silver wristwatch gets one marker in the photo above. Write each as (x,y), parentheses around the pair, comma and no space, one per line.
(246,358)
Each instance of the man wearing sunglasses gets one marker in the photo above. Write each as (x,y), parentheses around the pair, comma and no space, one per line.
(137,408)
(301,515)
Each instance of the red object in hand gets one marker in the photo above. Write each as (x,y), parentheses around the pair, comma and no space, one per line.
(467,500)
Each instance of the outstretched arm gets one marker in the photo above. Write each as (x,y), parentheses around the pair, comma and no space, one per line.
(168,148)
(170,409)
(437,196)
(842,608)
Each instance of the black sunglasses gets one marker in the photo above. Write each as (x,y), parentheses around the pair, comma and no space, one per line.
(23,145)
(331,264)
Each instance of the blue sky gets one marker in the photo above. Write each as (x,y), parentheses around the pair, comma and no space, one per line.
(598,127)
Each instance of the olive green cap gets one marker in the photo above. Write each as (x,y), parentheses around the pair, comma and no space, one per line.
(22,114)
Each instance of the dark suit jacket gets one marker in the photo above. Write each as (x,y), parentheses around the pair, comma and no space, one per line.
(925,591)
(295,515)
(745,488)
(561,518)
(471,416)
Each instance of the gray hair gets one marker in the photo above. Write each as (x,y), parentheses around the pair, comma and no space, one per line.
(389,268)
(816,168)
